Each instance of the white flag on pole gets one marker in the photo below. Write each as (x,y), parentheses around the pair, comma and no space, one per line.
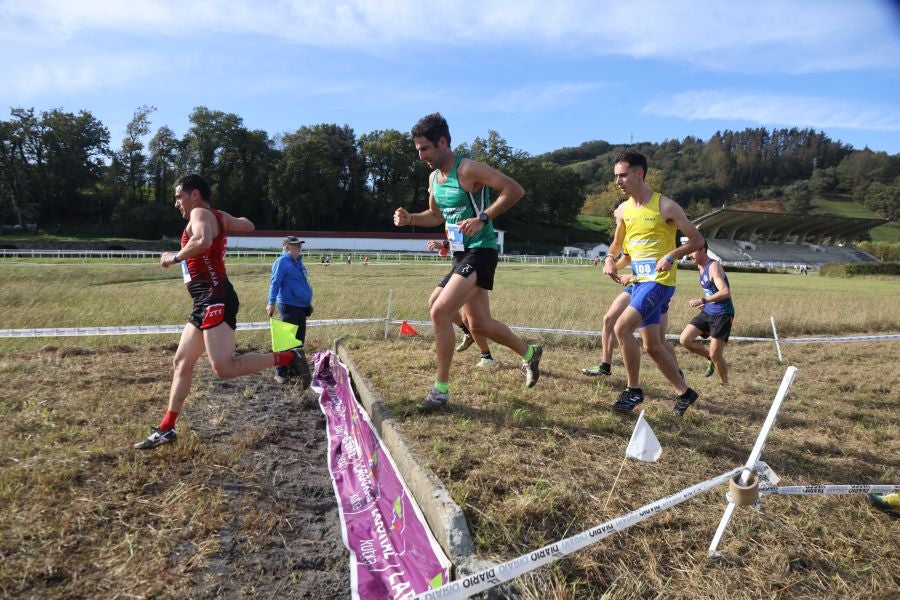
(643,445)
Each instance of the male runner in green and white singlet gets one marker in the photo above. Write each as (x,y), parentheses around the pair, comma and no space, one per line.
(459,196)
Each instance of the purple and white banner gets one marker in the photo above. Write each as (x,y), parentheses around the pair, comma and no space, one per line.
(392,552)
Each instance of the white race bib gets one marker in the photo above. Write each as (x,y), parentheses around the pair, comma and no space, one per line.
(644,268)
(455,237)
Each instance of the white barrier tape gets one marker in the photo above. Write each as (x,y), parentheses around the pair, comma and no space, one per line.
(829,490)
(853,338)
(670,336)
(153,329)
(494,576)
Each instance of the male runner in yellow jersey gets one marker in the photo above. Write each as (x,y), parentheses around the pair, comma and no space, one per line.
(650,221)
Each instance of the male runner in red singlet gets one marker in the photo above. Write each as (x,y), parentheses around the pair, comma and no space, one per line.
(202,258)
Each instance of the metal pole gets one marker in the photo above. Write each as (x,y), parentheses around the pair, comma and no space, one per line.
(387,317)
(755,454)
(775,333)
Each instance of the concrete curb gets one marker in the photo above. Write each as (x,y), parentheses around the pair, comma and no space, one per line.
(444,516)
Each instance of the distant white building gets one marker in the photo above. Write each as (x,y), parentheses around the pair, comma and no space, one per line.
(586,250)
(355,241)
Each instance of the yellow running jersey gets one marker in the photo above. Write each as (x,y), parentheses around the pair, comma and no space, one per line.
(647,239)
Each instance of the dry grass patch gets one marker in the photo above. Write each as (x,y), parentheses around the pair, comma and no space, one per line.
(530,467)
(219,513)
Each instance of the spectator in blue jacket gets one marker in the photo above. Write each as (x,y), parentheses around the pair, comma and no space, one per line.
(290,288)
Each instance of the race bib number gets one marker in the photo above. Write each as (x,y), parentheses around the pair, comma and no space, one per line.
(644,268)
(455,237)
(185,274)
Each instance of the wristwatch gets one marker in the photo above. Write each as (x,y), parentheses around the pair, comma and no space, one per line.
(483,217)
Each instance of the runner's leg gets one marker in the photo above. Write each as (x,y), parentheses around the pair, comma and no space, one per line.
(220,350)
(631,350)
(717,355)
(190,347)
(690,342)
(445,308)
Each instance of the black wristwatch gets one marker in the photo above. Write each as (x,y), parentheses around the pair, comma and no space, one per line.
(483,217)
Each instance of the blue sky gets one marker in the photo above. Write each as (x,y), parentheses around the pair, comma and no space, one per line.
(543,74)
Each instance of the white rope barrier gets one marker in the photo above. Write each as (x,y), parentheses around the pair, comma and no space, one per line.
(158,329)
(830,490)
(494,576)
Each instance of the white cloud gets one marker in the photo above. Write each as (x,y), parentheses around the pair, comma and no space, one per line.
(537,97)
(69,76)
(776,109)
(764,35)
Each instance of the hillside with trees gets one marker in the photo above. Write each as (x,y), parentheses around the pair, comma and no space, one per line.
(65,173)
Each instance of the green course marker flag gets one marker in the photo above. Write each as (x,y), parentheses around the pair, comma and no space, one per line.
(284,335)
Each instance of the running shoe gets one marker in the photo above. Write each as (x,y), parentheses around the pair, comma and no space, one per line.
(684,401)
(597,371)
(434,400)
(710,369)
(466,341)
(628,399)
(281,374)
(157,438)
(888,502)
(486,363)
(532,367)
(300,368)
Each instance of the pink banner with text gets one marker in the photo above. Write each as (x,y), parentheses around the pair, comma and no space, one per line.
(392,552)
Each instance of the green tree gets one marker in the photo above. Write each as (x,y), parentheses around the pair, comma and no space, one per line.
(798,198)
(132,158)
(880,198)
(318,181)
(60,161)
(164,148)
(393,175)
(237,162)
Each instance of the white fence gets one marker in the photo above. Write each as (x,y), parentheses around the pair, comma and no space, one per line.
(310,258)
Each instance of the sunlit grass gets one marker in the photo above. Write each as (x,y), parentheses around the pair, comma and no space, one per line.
(528,466)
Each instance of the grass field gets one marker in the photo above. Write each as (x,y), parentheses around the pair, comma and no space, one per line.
(527,466)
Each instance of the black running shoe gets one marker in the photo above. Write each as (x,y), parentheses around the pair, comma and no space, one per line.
(157,438)
(300,368)
(684,401)
(628,399)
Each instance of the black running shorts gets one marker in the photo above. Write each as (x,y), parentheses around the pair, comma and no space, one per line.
(714,326)
(481,261)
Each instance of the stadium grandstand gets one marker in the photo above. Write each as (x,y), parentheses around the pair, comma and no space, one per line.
(752,237)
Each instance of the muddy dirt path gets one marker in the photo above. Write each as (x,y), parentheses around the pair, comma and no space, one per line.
(283,535)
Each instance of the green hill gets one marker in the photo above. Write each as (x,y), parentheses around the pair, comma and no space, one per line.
(844,207)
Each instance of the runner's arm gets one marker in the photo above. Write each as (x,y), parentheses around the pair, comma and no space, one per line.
(237,224)
(614,254)
(717,274)
(201,227)
(427,218)
(671,211)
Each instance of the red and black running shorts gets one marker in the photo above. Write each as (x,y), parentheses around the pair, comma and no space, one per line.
(212,309)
